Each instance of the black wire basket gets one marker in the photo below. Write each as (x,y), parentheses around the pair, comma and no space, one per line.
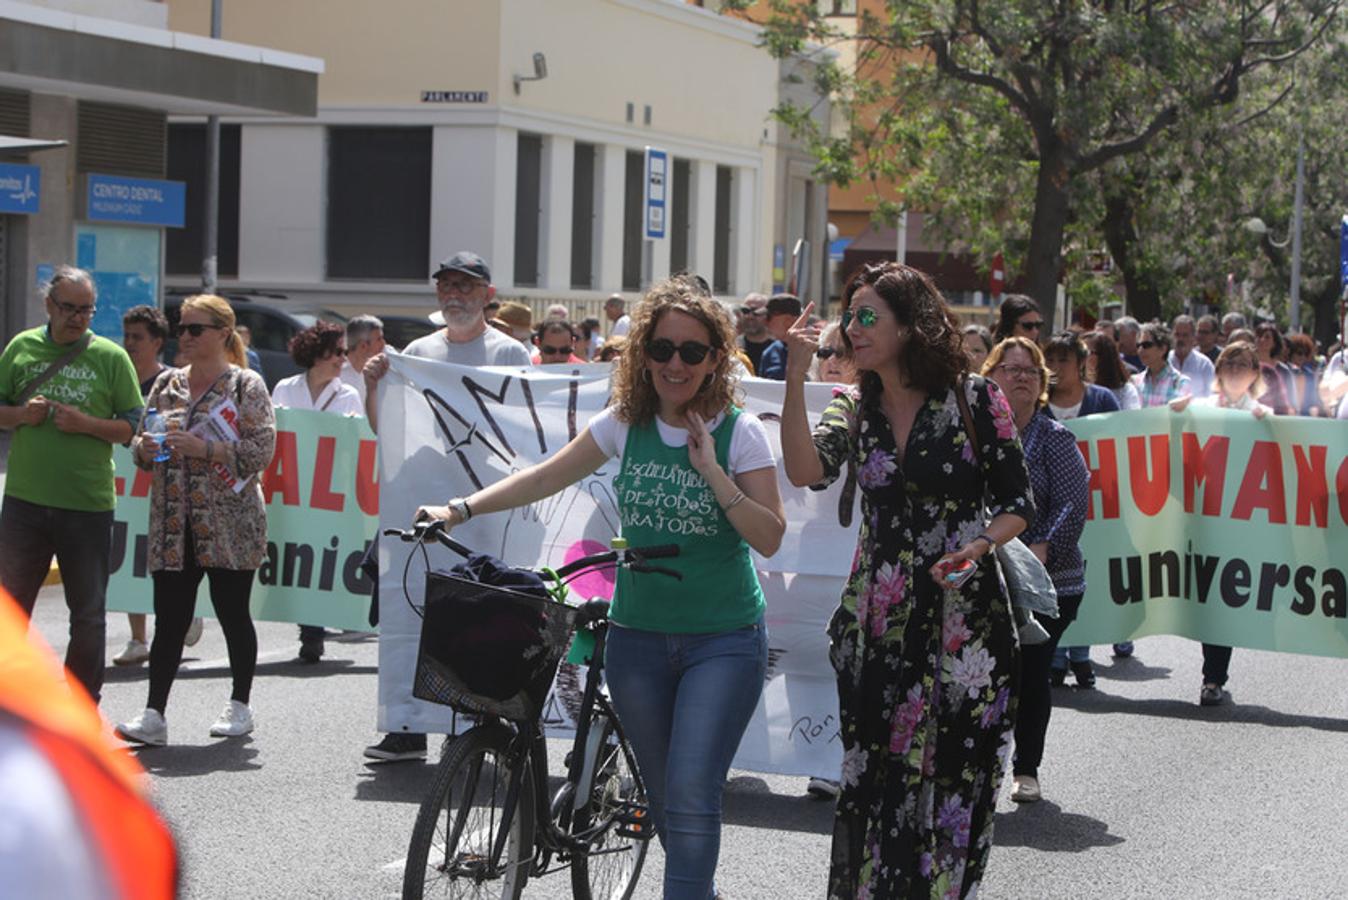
(488,650)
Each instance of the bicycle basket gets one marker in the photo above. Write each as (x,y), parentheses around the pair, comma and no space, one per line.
(487,649)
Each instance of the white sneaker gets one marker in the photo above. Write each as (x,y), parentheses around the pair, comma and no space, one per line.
(1025,789)
(236,719)
(133,654)
(194,632)
(823,788)
(147,728)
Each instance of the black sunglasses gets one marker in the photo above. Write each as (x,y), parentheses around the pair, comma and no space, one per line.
(1032,326)
(195,329)
(662,350)
(555,351)
(827,352)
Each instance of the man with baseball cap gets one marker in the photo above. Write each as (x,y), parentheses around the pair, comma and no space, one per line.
(783,311)
(462,288)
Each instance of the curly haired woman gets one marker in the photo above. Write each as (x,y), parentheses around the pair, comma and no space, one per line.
(685,659)
(926,671)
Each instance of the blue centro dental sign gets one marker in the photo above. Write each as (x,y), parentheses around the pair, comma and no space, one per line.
(140,201)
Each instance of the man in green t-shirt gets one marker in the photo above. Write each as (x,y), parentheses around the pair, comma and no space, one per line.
(59,487)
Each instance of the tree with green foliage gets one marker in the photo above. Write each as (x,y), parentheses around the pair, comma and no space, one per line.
(1174,217)
(999,118)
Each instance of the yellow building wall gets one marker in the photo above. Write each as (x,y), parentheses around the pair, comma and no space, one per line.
(376,54)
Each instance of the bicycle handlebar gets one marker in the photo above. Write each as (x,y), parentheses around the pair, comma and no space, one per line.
(633,557)
(420,532)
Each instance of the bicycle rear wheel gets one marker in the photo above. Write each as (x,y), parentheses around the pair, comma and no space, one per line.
(615,809)
(461,818)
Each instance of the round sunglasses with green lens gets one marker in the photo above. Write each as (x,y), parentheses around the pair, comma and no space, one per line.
(866,317)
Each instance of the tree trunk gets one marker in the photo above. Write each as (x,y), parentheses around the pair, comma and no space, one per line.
(1144,297)
(1043,268)
(1325,306)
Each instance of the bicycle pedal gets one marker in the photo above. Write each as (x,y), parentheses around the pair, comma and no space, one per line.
(633,822)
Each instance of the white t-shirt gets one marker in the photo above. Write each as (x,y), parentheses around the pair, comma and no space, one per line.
(1200,370)
(490,348)
(1128,396)
(1246,403)
(1063,413)
(749,447)
(621,327)
(355,379)
(1337,365)
(336,397)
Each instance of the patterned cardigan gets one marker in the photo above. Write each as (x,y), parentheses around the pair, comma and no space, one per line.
(229,530)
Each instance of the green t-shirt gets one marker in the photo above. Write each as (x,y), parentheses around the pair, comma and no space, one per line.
(47,466)
(663,500)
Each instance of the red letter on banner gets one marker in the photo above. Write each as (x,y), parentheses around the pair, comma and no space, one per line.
(1265,468)
(1205,465)
(367,488)
(1341,488)
(281,476)
(140,487)
(1149,491)
(1104,479)
(321,496)
(1312,485)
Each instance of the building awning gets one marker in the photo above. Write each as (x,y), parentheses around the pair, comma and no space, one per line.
(54,52)
(21,145)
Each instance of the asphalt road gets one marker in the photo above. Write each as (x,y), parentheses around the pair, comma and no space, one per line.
(1147,794)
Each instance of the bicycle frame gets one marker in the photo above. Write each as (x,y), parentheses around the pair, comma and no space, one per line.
(554,833)
(526,752)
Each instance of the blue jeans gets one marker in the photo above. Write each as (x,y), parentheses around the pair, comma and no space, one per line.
(30,535)
(1063,655)
(684,701)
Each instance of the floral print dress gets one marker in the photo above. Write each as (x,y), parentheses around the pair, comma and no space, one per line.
(926,677)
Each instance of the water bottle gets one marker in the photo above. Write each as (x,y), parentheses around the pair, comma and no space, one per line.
(157,426)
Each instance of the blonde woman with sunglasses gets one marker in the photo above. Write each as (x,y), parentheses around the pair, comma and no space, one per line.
(207,518)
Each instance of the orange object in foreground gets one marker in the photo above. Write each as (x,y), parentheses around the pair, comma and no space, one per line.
(106,784)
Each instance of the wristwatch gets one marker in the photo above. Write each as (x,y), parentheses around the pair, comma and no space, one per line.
(460,506)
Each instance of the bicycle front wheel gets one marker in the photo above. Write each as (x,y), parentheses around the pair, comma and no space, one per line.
(462,818)
(613,812)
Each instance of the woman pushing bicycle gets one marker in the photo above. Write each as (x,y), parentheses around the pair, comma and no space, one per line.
(686,659)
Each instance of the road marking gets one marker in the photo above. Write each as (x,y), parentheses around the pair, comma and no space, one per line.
(269,656)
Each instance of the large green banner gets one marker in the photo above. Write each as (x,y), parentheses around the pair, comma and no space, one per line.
(322,498)
(1214,525)
(1208,524)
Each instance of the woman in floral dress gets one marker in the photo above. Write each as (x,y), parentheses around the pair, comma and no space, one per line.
(926,674)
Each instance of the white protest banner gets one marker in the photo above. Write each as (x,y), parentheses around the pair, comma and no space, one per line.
(447,430)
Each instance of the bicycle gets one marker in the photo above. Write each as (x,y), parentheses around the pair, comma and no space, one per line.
(486,827)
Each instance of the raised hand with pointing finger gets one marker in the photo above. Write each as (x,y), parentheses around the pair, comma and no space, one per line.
(802,340)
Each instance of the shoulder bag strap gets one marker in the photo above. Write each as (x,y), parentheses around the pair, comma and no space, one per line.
(968,417)
(848,495)
(60,363)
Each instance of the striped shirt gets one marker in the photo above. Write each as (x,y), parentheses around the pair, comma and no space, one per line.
(1160,388)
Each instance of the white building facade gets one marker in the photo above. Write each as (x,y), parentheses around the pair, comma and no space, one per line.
(435,133)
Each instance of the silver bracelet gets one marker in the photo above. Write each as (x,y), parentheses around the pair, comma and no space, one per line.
(739,495)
